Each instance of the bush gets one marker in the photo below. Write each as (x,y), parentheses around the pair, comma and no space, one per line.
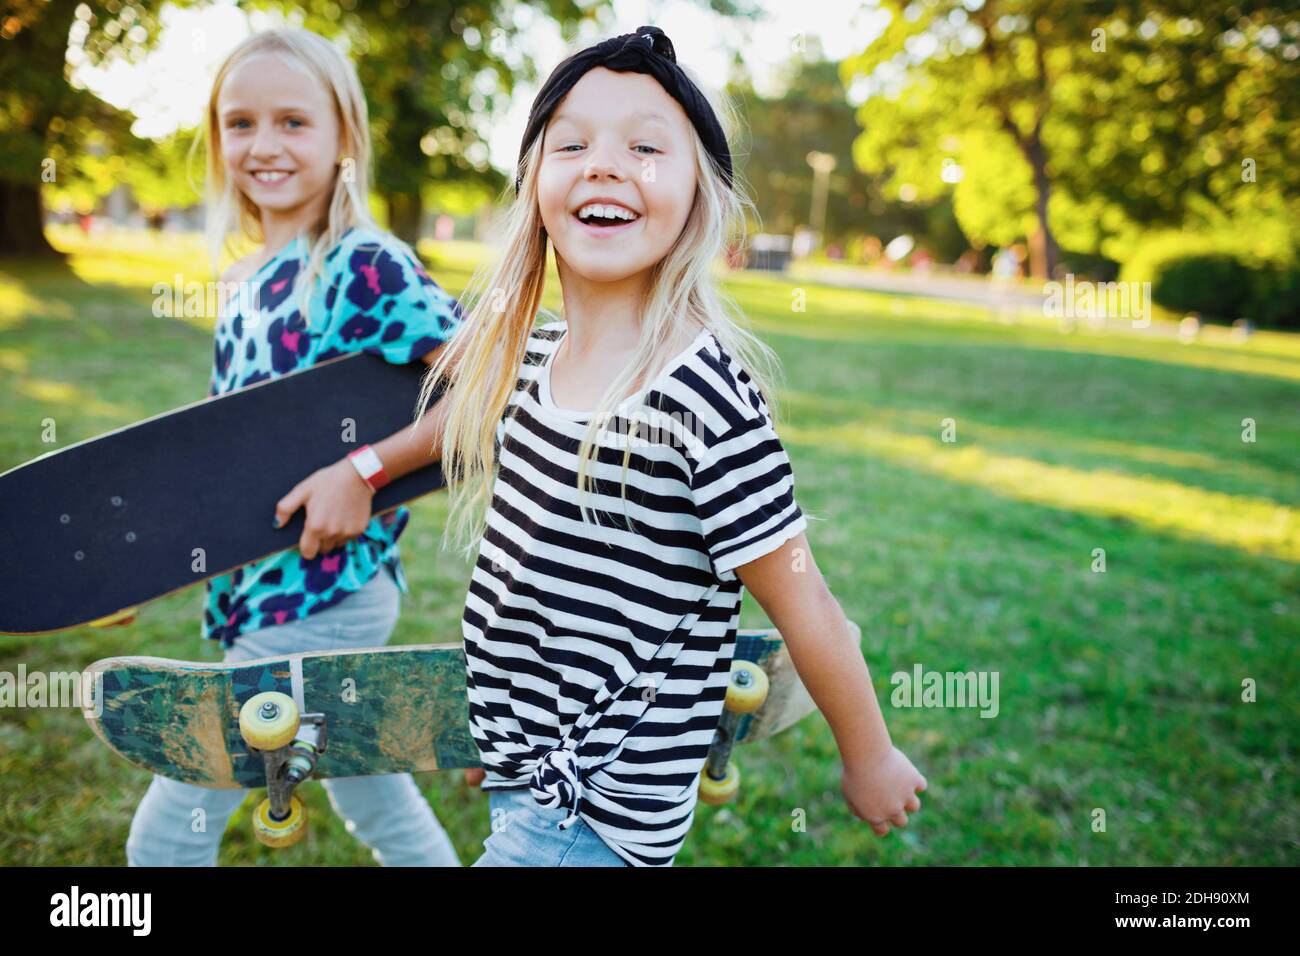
(1276,301)
(1083,265)
(1211,274)
(1216,285)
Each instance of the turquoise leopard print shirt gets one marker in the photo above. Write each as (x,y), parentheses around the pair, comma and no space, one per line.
(372,296)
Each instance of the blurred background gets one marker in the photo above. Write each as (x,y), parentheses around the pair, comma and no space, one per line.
(1149,141)
(1031,267)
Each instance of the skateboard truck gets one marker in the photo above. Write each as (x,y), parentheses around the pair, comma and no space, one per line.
(289,742)
(746,691)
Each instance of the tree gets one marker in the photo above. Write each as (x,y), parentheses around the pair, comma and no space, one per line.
(812,112)
(436,74)
(1099,118)
(1185,117)
(47,124)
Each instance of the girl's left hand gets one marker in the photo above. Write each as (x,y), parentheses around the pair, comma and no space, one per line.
(883,791)
(338,508)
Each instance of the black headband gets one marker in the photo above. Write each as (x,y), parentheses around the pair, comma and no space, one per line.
(647,51)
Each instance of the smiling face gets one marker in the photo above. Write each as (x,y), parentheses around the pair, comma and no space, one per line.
(279,137)
(617,176)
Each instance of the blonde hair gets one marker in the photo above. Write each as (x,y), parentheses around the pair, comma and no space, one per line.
(483,359)
(230,212)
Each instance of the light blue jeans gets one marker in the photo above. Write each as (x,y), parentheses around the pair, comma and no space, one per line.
(524,833)
(387,813)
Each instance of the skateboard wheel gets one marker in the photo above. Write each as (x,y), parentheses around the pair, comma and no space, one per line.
(717,792)
(280,833)
(112,620)
(268,721)
(747,688)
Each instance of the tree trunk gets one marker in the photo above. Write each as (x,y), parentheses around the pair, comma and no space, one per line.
(1042,245)
(22,222)
(405,210)
(1043,253)
(39,46)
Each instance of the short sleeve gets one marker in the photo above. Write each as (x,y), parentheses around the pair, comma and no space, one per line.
(382,301)
(743,489)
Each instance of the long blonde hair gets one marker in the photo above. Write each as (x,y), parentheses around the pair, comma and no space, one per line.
(231,213)
(483,359)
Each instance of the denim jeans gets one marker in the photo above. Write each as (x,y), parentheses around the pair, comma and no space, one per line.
(387,813)
(524,833)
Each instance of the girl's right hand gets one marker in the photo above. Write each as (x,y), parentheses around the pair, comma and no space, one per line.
(337,501)
(880,791)
(474,776)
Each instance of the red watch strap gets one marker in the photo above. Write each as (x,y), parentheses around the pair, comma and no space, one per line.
(369,467)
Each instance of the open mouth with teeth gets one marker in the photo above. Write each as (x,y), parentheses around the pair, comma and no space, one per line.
(605,215)
(271,175)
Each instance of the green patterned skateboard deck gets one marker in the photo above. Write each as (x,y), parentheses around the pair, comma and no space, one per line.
(387,710)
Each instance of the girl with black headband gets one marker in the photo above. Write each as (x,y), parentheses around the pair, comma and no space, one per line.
(618,474)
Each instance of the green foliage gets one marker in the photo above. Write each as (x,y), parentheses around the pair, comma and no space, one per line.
(58,137)
(42,115)
(1141,107)
(811,113)
(437,75)
(994,201)
(778,132)
(457,198)
(165,175)
(90,160)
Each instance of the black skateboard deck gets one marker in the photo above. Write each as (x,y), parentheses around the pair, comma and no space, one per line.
(110,523)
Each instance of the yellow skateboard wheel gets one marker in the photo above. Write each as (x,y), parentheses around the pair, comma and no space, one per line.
(113,620)
(747,688)
(717,792)
(268,721)
(280,833)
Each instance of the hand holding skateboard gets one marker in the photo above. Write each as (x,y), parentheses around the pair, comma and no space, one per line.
(337,503)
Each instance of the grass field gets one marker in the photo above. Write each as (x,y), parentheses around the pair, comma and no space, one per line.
(1119,691)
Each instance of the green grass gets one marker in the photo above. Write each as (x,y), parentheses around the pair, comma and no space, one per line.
(1119,691)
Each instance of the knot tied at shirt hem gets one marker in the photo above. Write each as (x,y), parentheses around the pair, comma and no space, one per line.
(555,783)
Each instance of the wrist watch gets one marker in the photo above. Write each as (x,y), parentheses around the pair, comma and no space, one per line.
(369,467)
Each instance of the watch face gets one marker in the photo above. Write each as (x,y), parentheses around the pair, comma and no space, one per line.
(367,462)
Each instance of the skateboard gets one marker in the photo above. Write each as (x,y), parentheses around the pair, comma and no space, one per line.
(279,721)
(113,522)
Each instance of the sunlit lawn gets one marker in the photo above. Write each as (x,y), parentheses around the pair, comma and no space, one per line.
(1120,692)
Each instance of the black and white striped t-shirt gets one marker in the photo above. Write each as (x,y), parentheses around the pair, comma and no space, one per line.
(598,655)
